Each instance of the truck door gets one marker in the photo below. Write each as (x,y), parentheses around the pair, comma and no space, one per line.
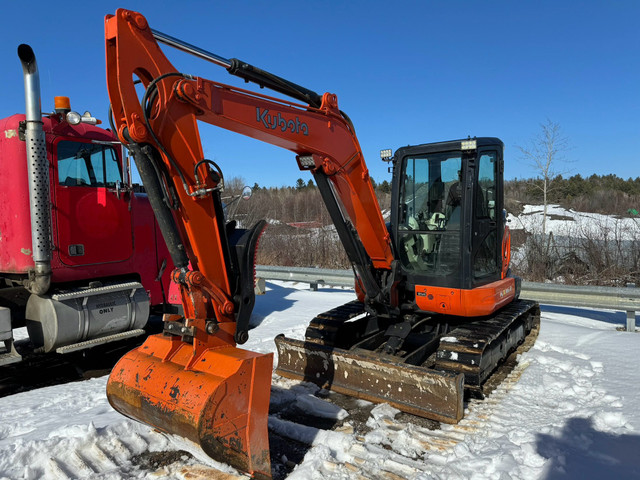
(92,213)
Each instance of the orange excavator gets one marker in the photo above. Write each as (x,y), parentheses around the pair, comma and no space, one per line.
(437,309)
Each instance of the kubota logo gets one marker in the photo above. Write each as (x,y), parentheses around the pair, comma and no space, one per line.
(278,121)
(506,292)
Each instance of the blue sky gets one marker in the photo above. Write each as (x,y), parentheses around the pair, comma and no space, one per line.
(405,72)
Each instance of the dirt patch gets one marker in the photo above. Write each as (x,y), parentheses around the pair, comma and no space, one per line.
(200,472)
(403,417)
(565,218)
(359,412)
(285,455)
(156,460)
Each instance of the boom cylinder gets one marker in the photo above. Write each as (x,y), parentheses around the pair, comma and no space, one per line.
(163,215)
(244,70)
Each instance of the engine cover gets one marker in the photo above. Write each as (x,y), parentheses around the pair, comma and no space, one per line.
(84,314)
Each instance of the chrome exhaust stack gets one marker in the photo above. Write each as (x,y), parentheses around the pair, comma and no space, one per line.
(38,167)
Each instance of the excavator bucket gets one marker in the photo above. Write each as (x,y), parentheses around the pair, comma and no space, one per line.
(219,400)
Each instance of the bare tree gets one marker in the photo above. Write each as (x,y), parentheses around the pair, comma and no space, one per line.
(233,186)
(544,152)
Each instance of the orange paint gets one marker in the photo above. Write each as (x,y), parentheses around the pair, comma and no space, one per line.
(466,303)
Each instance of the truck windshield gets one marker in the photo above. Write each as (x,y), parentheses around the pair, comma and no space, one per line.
(429,226)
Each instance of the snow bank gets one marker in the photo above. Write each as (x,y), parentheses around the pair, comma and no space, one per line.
(563,222)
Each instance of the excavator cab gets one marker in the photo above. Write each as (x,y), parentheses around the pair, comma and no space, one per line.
(458,315)
(448,201)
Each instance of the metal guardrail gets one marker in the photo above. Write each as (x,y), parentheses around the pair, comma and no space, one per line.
(621,299)
(312,276)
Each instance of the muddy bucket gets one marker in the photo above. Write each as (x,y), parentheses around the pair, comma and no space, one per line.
(219,400)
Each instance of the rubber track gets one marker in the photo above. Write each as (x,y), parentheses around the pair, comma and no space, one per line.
(478,348)
(323,329)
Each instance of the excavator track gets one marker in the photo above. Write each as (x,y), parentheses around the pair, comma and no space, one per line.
(476,349)
(441,362)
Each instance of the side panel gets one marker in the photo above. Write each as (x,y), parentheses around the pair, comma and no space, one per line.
(150,260)
(477,302)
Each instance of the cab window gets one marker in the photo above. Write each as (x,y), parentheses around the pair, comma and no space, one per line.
(430,213)
(487,260)
(87,164)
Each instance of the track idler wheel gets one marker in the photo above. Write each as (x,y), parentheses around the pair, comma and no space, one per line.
(219,400)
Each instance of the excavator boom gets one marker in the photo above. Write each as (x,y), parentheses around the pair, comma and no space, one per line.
(191,380)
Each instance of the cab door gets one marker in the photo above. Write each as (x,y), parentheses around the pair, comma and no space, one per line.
(92,213)
(487,224)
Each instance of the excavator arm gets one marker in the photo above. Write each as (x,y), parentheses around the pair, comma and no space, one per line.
(193,380)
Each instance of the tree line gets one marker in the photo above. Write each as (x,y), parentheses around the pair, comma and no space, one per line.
(300,231)
(605,194)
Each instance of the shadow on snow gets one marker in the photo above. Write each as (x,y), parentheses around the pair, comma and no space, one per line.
(585,453)
(612,317)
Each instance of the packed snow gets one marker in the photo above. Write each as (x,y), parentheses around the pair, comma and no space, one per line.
(571,409)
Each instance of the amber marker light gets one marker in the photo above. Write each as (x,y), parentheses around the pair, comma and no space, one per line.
(62,103)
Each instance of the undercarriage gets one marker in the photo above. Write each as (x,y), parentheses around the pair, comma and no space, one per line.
(426,366)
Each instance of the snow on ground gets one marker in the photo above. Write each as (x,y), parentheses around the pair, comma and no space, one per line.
(573,413)
(563,222)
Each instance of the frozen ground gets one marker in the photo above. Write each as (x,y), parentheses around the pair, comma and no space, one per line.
(571,410)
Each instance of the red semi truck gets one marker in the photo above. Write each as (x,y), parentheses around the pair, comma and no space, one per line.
(82,261)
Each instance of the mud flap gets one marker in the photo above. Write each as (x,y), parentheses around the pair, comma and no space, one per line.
(424,392)
(221,403)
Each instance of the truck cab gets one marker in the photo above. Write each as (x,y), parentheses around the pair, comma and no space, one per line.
(100,227)
(107,254)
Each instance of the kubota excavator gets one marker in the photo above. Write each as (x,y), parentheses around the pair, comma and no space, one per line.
(436,308)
